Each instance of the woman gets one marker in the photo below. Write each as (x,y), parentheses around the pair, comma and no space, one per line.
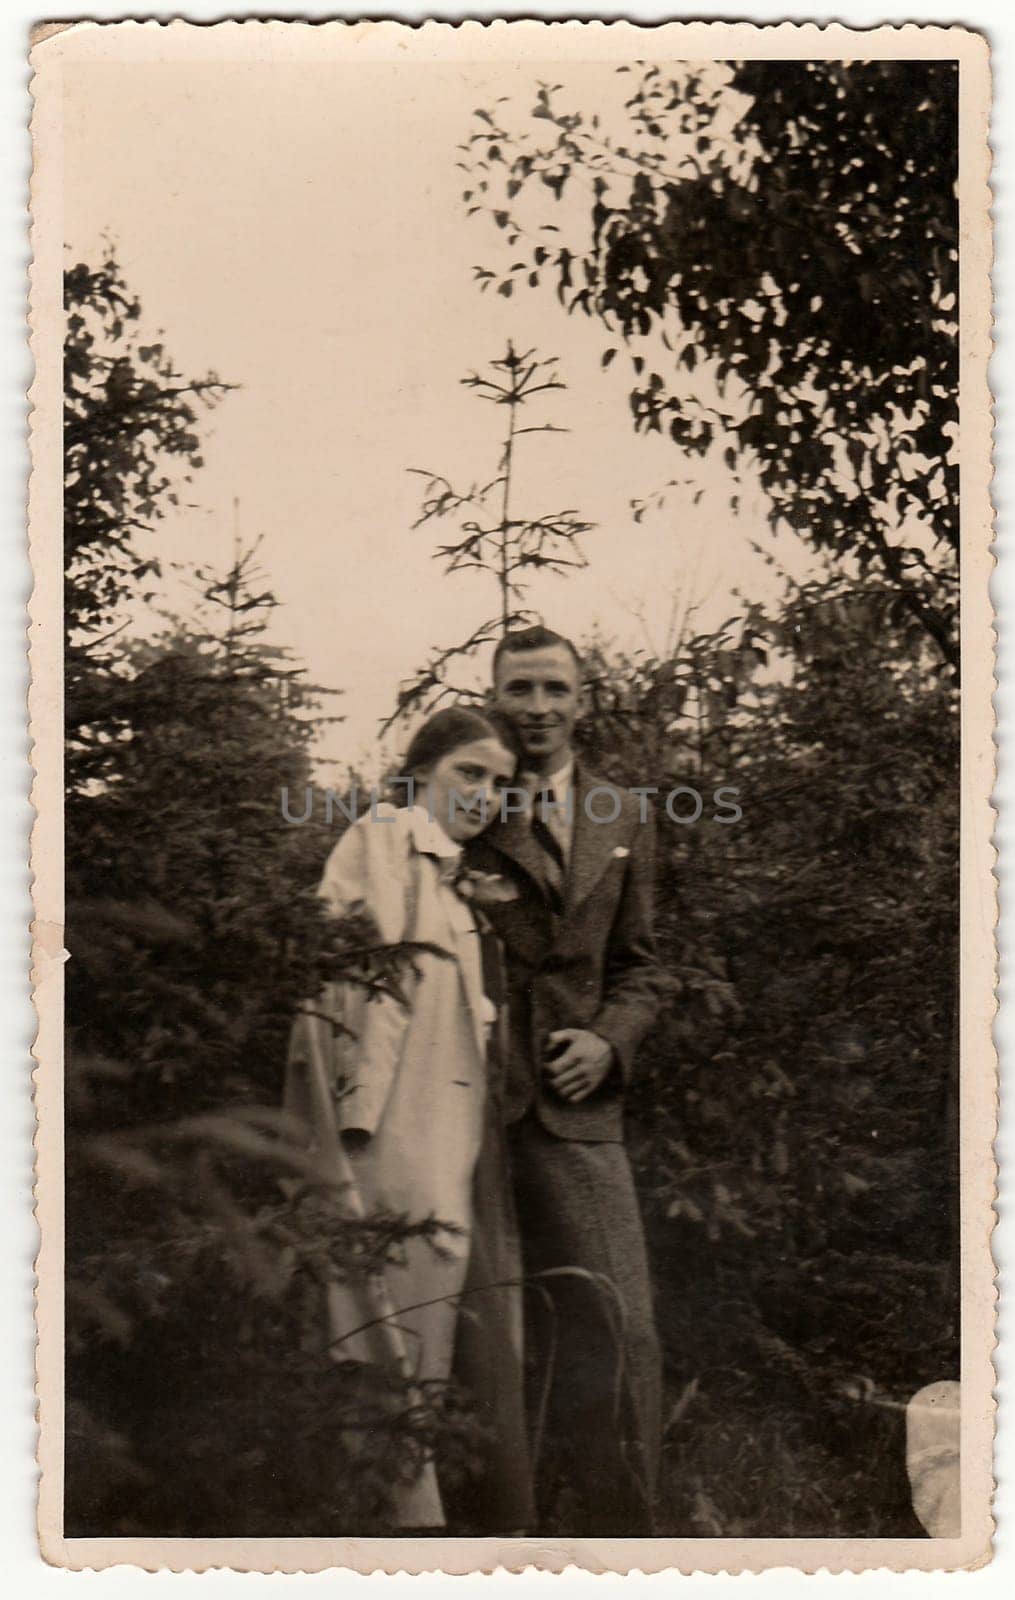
(405,1094)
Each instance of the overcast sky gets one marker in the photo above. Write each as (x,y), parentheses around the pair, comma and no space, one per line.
(299,229)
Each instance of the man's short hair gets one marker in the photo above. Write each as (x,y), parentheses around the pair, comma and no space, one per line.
(535,638)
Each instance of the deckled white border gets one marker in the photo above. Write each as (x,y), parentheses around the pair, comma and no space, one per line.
(586,53)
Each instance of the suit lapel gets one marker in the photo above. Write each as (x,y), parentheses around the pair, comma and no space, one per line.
(513,838)
(592,843)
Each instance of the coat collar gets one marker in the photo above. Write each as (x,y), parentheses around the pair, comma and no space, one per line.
(429,838)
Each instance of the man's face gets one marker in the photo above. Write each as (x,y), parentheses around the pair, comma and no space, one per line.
(539,691)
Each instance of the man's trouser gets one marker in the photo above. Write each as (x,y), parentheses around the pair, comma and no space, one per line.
(594,1354)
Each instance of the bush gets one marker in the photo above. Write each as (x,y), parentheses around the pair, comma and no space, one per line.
(793,1124)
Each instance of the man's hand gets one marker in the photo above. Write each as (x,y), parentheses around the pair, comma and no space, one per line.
(579,1068)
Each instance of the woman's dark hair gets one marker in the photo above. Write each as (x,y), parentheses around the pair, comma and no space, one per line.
(446,730)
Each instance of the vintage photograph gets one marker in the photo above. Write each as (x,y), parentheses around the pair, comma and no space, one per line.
(511,702)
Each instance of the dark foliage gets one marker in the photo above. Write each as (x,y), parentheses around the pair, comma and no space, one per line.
(775,248)
(130,445)
(785,275)
(201,1394)
(794,1124)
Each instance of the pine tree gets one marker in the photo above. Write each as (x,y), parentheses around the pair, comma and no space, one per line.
(493,535)
(201,1395)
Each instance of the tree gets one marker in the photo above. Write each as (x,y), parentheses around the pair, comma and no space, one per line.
(793,1120)
(187,838)
(200,1230)
(509,546)
(777,244)
(201,1392)
(130,444)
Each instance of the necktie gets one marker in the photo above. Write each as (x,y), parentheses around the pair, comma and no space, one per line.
(554,865)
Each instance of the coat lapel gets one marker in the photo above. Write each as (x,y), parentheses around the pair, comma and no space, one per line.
(592,843)
(472,983)
(433,925)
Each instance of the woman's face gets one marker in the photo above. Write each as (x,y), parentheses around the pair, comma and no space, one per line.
(461,791)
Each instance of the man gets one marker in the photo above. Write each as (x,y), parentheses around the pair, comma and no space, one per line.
(583,985)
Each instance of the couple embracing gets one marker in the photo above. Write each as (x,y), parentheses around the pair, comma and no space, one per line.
(489,1098)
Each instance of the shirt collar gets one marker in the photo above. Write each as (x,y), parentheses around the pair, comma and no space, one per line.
(561,780)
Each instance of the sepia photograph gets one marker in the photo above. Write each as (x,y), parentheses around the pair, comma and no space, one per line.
(511,692)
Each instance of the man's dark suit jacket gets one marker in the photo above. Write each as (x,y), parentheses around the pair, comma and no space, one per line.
(593,966)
